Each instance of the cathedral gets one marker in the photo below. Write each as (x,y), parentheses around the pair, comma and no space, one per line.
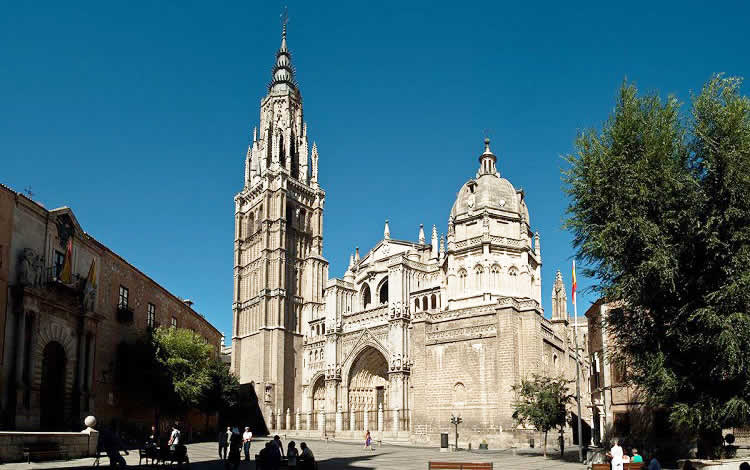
(415,332)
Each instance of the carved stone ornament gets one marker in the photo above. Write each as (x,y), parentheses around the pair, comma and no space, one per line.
(30,268)
(267,395)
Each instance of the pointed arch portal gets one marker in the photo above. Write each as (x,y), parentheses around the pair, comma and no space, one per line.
(368,381)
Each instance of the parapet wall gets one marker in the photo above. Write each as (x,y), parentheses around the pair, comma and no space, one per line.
(76,444)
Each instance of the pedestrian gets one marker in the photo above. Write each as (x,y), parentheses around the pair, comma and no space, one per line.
(654,464)
(174,438)
(291,455)
(308,457)
(636,458)
(235,444)
(247,437)
(273,462)
(261,463)
(110,443)
(615,453)
(279,444)
(223,440)
(368,440)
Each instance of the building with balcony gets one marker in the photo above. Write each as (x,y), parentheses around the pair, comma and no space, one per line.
(67,302)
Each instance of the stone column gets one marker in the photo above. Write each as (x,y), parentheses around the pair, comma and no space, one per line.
(367,418)
(321,421)
(351,420)
(269,417)
(381,428)
(288,419)
(339,419)
(308,420)
(395,420)
(297,421)
(279,419)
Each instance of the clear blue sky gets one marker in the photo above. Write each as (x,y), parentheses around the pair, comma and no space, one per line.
(138,114)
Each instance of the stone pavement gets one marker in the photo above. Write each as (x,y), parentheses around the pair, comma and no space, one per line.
(340,455)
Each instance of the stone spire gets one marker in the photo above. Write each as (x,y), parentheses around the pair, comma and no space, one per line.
(442,247)
(349,275)
(434,240)
(421,234)
(282,74)
(386,231)
(559,300)
(536,246)
(487,161)
(356,255)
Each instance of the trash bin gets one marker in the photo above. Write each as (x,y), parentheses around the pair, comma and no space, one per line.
(443,442)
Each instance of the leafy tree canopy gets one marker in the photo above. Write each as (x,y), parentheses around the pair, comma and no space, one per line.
(660,213)
(541,403)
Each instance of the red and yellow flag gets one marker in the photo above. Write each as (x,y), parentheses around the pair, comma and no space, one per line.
(574,282)
(67,271)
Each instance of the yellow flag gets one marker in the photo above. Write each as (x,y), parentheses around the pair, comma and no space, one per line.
(91,280)
(67,272)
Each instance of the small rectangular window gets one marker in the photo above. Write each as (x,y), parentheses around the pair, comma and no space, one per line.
(122,301)
(174,322)
(151,315)
(59,263)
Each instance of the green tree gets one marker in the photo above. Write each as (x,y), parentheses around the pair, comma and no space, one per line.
(222,395)
(185,356)
(541,403)
(660,213)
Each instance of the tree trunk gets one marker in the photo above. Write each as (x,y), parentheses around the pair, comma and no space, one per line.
(545,444)
(562,444)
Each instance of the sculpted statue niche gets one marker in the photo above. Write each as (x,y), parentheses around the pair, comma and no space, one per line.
(30,268)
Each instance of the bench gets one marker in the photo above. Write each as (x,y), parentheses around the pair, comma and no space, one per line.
(47,450)
(625,466)
(459,465)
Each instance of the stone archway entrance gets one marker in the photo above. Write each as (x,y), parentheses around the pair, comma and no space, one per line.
(368,381)
(52,396)
(319,395)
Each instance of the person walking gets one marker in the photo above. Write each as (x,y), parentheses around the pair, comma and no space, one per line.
(223,439)
(368,440)
(235,444)
(174,438)
(247,437)
(291,455)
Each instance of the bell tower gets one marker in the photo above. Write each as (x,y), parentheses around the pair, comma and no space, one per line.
(279,269)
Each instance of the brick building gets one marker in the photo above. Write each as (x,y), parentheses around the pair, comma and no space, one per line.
(63,323)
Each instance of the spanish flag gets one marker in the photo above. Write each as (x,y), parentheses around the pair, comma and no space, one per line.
(574,282)
(67,271)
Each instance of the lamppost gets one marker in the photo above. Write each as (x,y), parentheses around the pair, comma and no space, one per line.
(456,420)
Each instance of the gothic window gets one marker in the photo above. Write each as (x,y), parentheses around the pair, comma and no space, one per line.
(250,225)
(282,151)
(433,302)
(323,328)
(383,292)
(366,296)
(554,361)
(295,159)
(462,280)
(495,276)
(424,303)
(416,305)
(479,277)
(269,148)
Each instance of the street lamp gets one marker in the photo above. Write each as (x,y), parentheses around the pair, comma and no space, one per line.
(456,420)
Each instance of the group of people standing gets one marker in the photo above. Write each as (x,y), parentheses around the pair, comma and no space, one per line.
(232,444)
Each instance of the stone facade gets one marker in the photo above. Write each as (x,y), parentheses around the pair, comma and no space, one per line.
(415,331)
(61,334)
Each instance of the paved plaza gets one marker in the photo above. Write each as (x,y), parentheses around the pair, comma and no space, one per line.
(341,455)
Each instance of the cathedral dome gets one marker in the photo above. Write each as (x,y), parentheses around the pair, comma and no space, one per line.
(488,190)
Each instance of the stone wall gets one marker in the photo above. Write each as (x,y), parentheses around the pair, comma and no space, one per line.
(76,444)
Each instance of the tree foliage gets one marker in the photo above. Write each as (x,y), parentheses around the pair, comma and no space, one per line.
(541,402)
(660,213)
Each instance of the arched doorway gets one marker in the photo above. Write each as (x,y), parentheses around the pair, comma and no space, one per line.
(319,395)
(368,381)
(52,412)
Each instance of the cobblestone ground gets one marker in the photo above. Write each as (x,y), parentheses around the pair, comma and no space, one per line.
(340,455)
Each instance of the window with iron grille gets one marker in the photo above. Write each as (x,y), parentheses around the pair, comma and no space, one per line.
(151,315)
(123,299)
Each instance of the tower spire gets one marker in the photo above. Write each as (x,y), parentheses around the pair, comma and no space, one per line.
(282,74)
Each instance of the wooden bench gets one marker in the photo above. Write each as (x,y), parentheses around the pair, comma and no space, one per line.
(459,465)
(626,466)
(47,450)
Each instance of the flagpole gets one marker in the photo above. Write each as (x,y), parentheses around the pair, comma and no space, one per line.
(578,364)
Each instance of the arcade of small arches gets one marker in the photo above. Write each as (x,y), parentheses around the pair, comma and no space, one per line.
(366,295)
(477,279)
